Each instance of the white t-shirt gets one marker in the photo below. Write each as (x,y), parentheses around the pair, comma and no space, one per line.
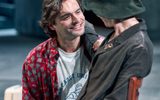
(72,72)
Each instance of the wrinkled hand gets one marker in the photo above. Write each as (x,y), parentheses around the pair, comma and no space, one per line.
(98,42)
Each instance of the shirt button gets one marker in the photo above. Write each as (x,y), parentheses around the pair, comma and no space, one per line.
(107,46)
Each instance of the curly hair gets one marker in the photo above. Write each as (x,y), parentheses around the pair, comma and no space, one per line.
(50,10)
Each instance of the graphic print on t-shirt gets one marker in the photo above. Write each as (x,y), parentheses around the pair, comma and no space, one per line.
(76,88)
(72,72)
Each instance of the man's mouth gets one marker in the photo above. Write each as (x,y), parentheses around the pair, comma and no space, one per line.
(77,27)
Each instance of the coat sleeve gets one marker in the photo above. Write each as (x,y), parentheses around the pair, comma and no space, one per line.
(89,28)
(90,36)
(138,63)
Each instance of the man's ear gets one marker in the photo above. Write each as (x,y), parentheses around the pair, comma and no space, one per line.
(51,26)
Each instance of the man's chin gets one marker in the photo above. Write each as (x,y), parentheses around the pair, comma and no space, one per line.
(78,31)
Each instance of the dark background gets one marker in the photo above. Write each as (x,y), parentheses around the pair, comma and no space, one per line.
(24,15)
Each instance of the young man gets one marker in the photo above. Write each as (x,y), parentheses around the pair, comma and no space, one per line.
(126,52)
(58,68)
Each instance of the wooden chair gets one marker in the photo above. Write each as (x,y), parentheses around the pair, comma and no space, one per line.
(134,85)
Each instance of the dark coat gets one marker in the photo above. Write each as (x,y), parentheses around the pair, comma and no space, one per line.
(130,54)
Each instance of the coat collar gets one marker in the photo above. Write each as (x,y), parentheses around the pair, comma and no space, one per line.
(123,37)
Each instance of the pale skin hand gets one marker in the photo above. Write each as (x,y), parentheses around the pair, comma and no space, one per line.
(98,43)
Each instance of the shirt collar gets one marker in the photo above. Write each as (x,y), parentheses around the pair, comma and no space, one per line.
(52,51)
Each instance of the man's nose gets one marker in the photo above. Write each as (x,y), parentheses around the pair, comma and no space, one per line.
(75,19)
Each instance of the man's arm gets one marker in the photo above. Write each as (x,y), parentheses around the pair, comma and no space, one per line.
(29,84)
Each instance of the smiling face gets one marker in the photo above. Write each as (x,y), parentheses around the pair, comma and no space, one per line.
(70,22)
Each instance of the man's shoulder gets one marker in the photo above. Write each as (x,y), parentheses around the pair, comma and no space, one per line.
(41,51)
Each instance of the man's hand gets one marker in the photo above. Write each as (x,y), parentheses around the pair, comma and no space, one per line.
(98,42)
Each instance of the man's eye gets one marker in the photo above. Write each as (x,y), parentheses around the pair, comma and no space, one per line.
(78,11)
(65,17)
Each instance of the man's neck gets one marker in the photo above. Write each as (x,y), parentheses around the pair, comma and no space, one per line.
(69,45)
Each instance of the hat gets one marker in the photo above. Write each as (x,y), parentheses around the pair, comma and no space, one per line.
(114,9)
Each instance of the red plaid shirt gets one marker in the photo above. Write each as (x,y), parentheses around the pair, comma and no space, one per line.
(39,79)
